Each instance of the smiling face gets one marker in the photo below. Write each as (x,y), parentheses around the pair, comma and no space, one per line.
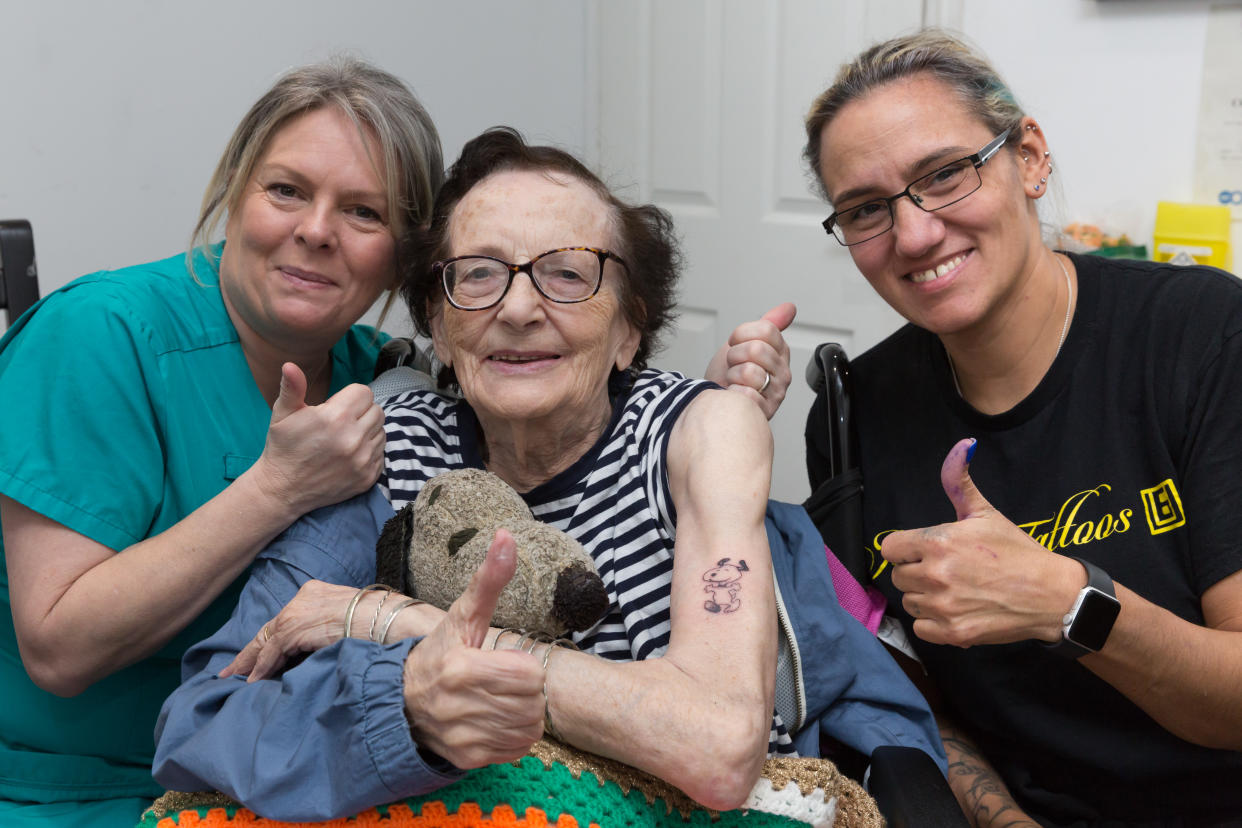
(953,268)
(308,246)
(528,359)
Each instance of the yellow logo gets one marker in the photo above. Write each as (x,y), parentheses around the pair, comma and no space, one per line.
(1077,524)
(1164,507)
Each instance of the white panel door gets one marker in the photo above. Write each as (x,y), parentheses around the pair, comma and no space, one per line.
(701,106)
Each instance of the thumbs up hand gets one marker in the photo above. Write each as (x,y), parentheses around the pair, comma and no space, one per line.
(320,454)
(755,360)
(980,579)
(472,706)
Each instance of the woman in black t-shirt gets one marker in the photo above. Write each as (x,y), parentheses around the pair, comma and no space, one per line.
(1109,434)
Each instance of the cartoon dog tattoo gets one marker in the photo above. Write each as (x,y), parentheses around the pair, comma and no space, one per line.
(723,582)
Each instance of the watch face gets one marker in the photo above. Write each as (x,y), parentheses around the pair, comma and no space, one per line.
(1094,619)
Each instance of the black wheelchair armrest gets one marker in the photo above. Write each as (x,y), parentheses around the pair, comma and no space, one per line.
(910,790)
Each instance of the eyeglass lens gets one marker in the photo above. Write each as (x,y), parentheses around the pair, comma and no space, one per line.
(563,276)
(947,185)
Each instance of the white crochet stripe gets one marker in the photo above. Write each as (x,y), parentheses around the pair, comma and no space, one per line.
(812,809)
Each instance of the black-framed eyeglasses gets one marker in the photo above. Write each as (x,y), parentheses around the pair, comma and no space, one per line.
(934,191)
(565,275)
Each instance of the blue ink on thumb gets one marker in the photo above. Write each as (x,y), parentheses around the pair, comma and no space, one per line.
(970,452)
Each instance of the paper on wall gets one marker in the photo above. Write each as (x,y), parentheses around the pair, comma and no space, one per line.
(1218,156)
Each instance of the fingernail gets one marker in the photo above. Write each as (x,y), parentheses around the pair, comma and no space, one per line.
(970,452)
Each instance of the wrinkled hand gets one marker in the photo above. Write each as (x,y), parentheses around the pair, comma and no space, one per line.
(755,351)
(317,455)
(475,707)
(980,579)
(311,621)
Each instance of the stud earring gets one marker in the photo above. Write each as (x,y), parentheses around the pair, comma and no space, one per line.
(1046,153)
(1037,188)
(1025,158)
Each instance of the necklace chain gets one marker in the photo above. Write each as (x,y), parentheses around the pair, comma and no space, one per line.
(1069,304)
(1069,307)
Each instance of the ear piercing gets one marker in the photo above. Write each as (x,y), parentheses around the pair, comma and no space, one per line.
(1026,159)
(1042,181)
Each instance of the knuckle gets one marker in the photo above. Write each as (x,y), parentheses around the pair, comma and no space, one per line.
(959,633)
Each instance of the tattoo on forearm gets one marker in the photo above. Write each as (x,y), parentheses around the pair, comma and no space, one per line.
(983,795)
(724,582)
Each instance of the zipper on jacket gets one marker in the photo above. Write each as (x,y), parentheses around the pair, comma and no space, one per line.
(787,634)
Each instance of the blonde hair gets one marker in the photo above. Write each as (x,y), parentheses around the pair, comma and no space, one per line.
(934,52)
(377,102)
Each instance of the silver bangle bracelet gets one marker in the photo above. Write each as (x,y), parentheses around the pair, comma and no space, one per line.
(353,605)
(548,727)
(496,640)
(408,602)
(375,617)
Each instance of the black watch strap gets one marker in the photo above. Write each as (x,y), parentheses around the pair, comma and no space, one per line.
(1086,626)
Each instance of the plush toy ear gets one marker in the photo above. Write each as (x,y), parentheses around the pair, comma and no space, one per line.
(392,551)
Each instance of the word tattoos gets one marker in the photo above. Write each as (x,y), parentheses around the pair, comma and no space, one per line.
(724,580)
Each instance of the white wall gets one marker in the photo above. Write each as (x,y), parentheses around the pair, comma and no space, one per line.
(1115,85)
(113,114)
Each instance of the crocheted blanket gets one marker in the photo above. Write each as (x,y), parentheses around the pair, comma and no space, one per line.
(559,786)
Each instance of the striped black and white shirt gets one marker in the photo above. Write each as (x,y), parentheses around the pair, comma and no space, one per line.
(614,500)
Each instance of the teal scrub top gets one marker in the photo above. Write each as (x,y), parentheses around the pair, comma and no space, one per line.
(125,403)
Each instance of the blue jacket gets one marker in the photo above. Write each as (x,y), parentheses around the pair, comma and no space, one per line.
(329,737)
(833,676)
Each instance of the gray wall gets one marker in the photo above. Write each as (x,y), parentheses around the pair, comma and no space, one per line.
(113,114)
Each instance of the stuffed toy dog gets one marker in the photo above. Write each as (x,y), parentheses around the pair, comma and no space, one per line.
(431,548)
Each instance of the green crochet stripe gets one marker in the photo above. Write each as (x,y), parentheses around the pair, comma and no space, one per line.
(556,791)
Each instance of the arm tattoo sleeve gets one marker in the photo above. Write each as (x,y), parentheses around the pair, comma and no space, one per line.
(979,789)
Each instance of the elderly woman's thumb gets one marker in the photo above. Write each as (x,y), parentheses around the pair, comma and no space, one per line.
(474,608)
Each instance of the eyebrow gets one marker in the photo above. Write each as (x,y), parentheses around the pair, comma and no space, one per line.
(281,170)
(912,171)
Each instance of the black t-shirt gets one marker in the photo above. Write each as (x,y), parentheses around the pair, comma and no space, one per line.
(1129,454)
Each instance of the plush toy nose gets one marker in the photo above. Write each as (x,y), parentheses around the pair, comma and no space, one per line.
(580,598)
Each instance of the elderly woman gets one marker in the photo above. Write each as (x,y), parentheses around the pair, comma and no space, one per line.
(1080,612)
(544,296)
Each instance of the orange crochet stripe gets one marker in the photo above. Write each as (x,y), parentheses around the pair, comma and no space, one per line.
(432,815)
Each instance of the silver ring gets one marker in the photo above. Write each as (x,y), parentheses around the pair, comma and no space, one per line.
(767,380)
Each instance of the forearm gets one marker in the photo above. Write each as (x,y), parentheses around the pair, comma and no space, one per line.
(1185,676)
(127,605)
(983,796)
(707,738)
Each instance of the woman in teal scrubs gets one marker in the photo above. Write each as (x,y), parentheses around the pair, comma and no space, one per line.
(162,423)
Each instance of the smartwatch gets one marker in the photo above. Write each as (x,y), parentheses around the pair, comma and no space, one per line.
(1085,628)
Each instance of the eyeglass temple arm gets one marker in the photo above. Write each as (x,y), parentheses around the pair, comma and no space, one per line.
(994,145)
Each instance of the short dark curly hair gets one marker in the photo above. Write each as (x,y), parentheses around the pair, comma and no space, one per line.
(645,236)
